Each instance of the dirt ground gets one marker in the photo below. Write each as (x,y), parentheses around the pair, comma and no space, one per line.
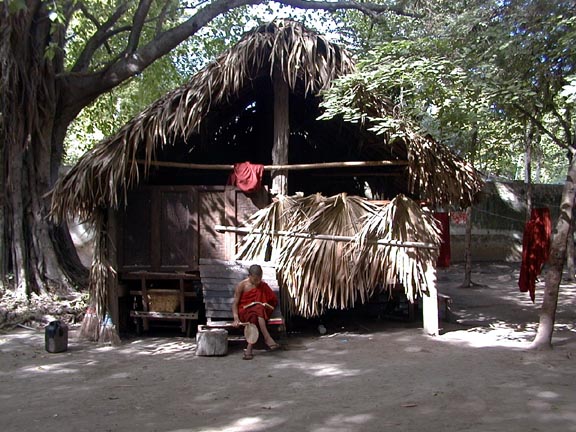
(363,375)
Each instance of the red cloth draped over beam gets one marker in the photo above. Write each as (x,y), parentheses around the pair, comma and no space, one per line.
(535,249)
(261,293)
(246,176)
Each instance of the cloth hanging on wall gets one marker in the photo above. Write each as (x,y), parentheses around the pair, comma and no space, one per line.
(535,249)
(247,176)
(445,252)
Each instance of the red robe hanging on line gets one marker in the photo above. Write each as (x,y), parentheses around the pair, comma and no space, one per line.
(247,176)
(535,249)
(443,219)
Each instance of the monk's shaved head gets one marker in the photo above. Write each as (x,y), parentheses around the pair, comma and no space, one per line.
(255,270)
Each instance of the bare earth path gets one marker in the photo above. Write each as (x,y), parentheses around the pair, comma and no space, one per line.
(370,376)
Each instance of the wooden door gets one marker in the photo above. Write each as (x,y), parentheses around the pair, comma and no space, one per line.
(168,228)
(178,230)
(159,230)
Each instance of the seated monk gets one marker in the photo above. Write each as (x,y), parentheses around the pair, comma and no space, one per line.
(254,302)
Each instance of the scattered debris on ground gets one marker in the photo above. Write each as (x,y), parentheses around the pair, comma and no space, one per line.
(38,310)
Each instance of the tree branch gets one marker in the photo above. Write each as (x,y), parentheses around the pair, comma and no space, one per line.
(372,10)
(83,89)
(161,18)
(105,65)
(541,126)
(564,123)
(137,24)
(101,35)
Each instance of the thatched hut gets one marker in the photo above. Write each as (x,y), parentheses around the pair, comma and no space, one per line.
(156,189)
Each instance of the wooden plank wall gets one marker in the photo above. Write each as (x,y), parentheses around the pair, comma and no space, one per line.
(168,228)
(212,210)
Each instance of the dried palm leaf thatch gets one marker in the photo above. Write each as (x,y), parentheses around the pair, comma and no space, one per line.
(284,213)
(384,266)
(299,55)
(439,176)
(269,219)
(99,272)
(319,274)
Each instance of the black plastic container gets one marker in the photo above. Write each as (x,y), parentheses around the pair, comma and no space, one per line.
(56,337)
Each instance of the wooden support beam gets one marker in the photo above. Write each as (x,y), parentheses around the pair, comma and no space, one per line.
(430,304)
(293,167)
(281,132)
(311,236)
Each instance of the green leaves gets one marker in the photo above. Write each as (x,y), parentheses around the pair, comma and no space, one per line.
(569,90)
(471,74)
(15,6)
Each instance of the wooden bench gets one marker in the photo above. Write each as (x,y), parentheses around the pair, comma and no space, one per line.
(219,280)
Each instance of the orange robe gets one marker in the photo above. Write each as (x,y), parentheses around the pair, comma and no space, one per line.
(261,293)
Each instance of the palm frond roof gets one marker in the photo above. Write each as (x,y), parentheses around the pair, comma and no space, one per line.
(305,59)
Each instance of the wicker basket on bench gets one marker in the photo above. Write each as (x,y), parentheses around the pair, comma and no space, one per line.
(163,300)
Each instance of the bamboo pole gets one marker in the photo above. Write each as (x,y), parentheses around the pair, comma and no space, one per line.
(320,165)
(311,236)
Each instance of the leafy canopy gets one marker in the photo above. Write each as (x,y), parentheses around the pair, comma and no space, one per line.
(473,75)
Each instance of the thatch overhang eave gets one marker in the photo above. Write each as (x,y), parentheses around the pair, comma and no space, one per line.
(440,177)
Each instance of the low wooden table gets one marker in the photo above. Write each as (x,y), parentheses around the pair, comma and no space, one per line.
(142,317)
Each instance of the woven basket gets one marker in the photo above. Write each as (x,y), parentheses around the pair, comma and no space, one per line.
(163,301)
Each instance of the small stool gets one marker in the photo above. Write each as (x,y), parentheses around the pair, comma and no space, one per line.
(211,341)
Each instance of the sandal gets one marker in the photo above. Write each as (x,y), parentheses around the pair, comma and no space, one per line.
(247,356)
(274,347)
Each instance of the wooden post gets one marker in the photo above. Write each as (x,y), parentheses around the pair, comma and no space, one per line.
(182,304)
(281,132)
(145,304)
(430,304)
(230,217)
(112,282)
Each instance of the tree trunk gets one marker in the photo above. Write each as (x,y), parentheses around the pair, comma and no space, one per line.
(467,283)
(543,339)
(33,137)
(468,251)
(539,155)
(528,168)
(570,265)
(4,262)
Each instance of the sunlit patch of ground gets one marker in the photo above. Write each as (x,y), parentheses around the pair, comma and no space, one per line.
(496,313)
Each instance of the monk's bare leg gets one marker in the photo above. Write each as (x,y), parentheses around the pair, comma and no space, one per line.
(248,350)
(267,338)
